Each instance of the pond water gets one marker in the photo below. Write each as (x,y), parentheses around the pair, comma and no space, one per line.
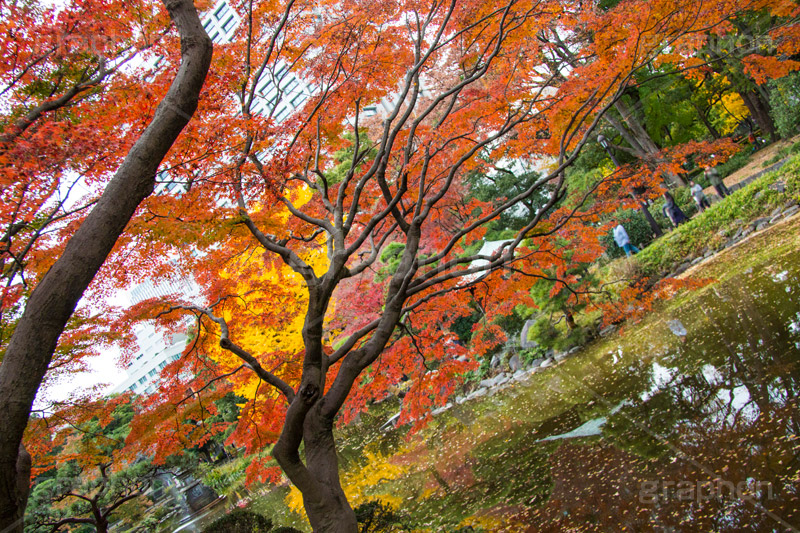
(646,431)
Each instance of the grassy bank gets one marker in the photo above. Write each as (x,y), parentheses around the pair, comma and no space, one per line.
(714,228)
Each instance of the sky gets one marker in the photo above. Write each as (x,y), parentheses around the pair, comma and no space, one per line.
(103,370)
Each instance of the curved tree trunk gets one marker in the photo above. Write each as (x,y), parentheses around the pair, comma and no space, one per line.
(54,299)
(637,136)
(327,508)
(317,477)
(760,112)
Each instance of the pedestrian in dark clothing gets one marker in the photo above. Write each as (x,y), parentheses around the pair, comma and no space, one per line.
(672,211)
(712,175)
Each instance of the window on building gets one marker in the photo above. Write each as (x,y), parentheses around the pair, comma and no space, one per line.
(228,24)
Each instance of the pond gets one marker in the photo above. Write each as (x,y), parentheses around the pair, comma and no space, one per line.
(686,422)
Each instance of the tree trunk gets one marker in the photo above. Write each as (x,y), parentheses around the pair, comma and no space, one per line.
(701,113)
(326,506)
(648,217)
(53,301)
(101,526)
(637,136)
(760,112)
(643,139)
(570,320)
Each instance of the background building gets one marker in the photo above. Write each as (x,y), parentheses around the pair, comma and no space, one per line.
(155,349)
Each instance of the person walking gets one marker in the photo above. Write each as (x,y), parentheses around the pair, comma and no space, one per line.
(623,241)
(712,175)
(699,196)
(672,211)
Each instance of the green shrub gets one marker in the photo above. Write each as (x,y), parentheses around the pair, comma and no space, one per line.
(543,333)
(784,99)
(377,517)
(548,336)
(227,478)
(240,521)
(733,164)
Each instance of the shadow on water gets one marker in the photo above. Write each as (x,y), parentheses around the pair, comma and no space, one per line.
(648,431)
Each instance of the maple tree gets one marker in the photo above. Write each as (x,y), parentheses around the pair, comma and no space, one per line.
(57,64)
(458,97)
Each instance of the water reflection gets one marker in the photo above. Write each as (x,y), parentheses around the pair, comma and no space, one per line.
(709,440)
(655,431)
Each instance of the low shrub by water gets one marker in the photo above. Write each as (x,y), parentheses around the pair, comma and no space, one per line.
(240,521)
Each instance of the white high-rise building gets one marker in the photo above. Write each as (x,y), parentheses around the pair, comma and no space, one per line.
(155,350)
(278,91)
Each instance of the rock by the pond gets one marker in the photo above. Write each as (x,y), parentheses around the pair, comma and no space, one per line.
(520,375)
(696,260)
(677,327)
(763,225)
(757,222)
(791,211)
(439,410)
(547,363)
(495,362)
(776,211)
(574,349)
(514,363)
(608,330)
(536,362)
(560,356)
(779,186)
(683,267)
(477,393)
(775,218)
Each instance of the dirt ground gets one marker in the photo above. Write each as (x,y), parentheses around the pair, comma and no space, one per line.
(756,164)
